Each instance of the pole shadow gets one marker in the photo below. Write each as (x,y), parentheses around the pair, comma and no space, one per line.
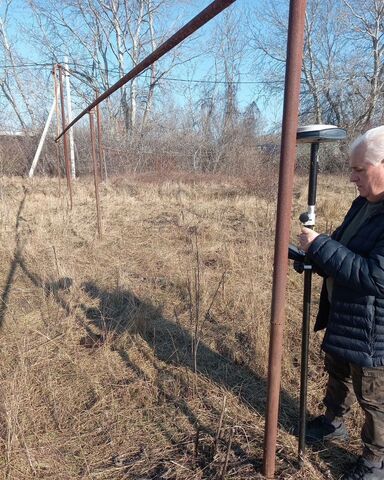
(13,264)
(121,311)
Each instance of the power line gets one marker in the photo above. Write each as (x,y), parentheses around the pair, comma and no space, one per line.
(27,65)
(224,82)
(114,70)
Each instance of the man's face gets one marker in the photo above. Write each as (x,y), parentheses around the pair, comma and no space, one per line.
(369,178)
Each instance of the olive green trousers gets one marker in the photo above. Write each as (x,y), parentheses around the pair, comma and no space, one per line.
(346,384)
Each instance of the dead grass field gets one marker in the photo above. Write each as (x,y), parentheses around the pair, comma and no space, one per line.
(143,355)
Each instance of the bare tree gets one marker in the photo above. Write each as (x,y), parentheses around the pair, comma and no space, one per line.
(104,39)
(12,86)
(220,116)
(367,25)
(343,59)
(153,69)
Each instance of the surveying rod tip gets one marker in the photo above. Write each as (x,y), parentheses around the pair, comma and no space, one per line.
(317,133)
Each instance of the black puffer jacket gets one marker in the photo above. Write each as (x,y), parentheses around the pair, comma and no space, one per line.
(355,320)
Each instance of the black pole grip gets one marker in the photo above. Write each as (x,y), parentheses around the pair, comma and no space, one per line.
(312,186)
(295,253)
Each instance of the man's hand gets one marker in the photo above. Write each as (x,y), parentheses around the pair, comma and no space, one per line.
(306,237)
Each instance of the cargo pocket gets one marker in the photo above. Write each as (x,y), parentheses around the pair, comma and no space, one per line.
(372,385)
(370,394)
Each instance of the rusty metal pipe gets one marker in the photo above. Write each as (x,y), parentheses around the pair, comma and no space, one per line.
(65,141)
(283,224)
(197,22)
(95,173)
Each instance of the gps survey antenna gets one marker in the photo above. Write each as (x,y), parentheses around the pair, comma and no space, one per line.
(316,134)
(313,134)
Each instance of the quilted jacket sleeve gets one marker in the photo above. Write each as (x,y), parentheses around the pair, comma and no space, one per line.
(364,274)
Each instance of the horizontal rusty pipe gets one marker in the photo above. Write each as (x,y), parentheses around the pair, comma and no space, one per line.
(283,224)
(201,19)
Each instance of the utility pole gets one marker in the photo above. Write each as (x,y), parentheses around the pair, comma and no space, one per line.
(65,137)
(56,94)
(69,111)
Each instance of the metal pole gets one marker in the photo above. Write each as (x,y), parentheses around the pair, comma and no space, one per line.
(100,142)
(57,125)
(283,223)
(65,141)
(309,220)
(69,109)
(95,175)
(197,22)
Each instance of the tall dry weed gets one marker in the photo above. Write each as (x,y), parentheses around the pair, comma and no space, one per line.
(99,379)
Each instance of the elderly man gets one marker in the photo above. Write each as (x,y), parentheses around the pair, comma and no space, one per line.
(352,309)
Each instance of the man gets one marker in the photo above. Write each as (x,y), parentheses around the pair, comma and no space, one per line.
(352,309)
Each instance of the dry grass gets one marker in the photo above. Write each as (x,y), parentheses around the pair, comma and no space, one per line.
(98,379)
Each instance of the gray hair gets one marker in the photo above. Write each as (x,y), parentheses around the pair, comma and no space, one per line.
(373,140)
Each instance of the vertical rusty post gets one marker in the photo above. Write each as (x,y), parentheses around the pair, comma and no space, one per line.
(95,174)
(65,140)
(57,126)
(100,140)
(283,223)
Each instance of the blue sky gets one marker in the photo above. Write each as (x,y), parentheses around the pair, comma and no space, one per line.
(248,89)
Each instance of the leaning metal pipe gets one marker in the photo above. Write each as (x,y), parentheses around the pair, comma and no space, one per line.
(197,22)
(283,223)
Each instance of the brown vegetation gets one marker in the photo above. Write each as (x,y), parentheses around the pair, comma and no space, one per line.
(98,376)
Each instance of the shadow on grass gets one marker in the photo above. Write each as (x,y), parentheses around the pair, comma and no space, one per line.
(120,311)
(13,265)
